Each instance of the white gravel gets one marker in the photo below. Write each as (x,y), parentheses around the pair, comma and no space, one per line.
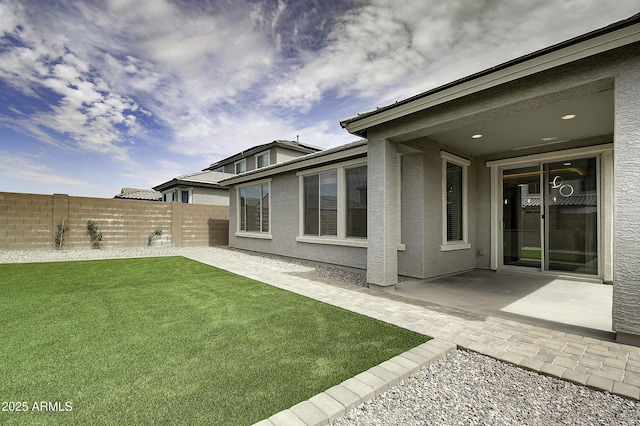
(315,269)
(463,389)
(467,388)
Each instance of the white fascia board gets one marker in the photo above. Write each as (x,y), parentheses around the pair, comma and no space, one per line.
(603,43)
(295,164)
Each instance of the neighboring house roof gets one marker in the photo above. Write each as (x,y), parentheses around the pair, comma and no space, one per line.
(331,155)
(612,36)
(292,145)
(573,200)
(139,194)
(203,179)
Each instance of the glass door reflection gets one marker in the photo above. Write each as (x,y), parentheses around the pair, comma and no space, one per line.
(571,194)
(521,217)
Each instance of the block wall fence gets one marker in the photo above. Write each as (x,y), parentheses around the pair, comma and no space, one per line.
(30,221)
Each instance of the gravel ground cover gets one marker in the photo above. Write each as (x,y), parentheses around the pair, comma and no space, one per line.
(314,269)
(467,388)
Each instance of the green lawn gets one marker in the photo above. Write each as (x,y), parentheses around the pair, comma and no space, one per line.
(170,340)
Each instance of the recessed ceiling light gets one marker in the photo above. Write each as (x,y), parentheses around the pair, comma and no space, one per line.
(477,136)
(568,163)
(568,116)
(552,138)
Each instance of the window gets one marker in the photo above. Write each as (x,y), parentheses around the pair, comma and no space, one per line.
(356,179)
(321,204)
(254,208)
(184,197)
(262,160)
(333,205)
(240,166)
(168,197)
(454,202)
(219,169)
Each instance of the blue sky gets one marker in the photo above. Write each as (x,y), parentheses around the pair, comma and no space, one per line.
(100,95)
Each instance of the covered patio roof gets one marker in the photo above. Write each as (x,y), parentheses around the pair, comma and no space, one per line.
(576,113)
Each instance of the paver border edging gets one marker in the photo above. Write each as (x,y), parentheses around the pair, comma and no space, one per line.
(338,400)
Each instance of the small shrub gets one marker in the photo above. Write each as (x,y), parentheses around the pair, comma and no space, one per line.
(152,236)
(94,233)
(62,227)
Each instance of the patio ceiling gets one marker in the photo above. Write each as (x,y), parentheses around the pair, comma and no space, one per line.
(540,126)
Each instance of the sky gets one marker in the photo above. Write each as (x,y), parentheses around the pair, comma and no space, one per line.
(100,95)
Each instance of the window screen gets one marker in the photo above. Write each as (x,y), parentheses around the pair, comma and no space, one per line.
(356,179)
(454,202)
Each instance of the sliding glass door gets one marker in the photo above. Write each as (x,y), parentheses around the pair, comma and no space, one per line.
(522,239)
(572,216)
(550,216)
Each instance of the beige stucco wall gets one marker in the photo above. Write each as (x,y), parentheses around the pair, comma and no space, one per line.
(211,196)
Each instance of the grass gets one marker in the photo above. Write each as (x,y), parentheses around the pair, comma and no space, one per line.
(170,340)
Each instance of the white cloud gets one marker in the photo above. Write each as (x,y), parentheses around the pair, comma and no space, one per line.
(223,76)
(388,50)
(33,168)
(227,133)
(93,120)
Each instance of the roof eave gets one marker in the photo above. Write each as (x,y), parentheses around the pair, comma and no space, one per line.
(178,182)
(616,35)
(304,148)
(330,155)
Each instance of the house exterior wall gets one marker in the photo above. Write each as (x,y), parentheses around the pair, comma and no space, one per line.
(29,222)
(437,261)
(211,196)
(422,217)
(615,70)
(626,241)
(280,154)
(411,260)
(284,200)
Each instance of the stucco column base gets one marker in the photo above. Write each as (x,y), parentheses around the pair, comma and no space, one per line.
(628,339)
(378,287)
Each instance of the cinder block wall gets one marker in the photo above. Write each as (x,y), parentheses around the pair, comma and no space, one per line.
(124,223)
(204,225)
(26,221)
(29,221)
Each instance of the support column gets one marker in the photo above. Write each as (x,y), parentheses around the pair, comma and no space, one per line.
(177,219)
(383,213)
(626,240)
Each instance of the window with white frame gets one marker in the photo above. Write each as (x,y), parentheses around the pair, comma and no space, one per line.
(262,160)
(454,202)
(185,196)
(321,204)
(253,206)
(240,166)
(333,206)
(356,193)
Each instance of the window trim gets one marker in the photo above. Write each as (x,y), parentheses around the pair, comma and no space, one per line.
(235,166)
(263,153)
(253,234)
(464,164)
(189,197)
(341,239)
